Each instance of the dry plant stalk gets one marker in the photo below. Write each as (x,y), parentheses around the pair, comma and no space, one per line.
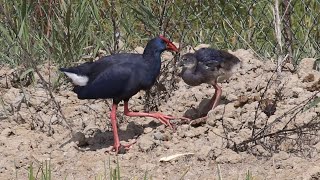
(277,29)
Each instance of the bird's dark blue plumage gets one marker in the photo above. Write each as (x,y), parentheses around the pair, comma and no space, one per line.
(119,77)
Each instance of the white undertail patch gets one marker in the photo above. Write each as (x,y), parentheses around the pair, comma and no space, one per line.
(77,79)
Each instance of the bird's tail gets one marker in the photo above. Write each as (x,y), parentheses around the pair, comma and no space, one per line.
(77,78)
(64,69)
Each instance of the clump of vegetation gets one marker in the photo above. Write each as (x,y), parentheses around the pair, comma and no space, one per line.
(62,30)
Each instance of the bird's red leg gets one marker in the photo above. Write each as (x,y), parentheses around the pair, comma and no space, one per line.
(116,145)
(164,119)
(214,102)
(113,117)
(216,97)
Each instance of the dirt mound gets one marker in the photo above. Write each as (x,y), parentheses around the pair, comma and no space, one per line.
(267,123)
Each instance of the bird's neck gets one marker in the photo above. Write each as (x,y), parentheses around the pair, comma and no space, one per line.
(153,59)
(191,76)
(150,53)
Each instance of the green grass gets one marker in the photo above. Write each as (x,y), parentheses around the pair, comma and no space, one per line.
(44,172)
(61,30)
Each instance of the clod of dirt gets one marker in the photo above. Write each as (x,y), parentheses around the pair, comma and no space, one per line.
(211,122)
(315,176)
(268,106)
(284,164)
(306,66)
(205,153)
(297,91)
(162,136)
(13,96)
(282,155)
(309,78)
(317,147)
(241,101)
(146,143)
(195,132)
(289,67)
(314,87)
(229,156)
(101,53)
(305,118)
(182,129)
(231,97)
(260,151)
(147,130)
(231,123)
(7,132)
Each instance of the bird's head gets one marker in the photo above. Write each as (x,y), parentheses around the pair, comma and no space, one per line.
(160,44)
(168,44)
(188,60)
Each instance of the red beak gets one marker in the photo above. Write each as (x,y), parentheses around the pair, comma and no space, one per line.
(171,46)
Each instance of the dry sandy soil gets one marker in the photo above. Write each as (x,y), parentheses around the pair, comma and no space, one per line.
(254,100)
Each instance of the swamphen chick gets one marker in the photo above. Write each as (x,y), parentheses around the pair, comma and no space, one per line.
(208,65)
(119,77)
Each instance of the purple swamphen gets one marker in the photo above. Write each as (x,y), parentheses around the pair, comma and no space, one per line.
(208,65)
(119,77)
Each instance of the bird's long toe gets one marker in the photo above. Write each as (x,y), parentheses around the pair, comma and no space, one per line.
(121,148)
(199,121)
(165,119)
(128,146)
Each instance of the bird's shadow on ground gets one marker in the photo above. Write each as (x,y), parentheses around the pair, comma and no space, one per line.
(104,139)
(202,109)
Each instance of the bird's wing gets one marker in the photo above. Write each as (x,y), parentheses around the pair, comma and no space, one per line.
(93,69)
(209,58)
(116,80)
(213,59)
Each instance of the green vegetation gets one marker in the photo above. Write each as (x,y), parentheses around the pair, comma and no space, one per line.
(44,172)
(60,30)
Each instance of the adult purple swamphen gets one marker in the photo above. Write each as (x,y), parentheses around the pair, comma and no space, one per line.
(119,77)
(208,65)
